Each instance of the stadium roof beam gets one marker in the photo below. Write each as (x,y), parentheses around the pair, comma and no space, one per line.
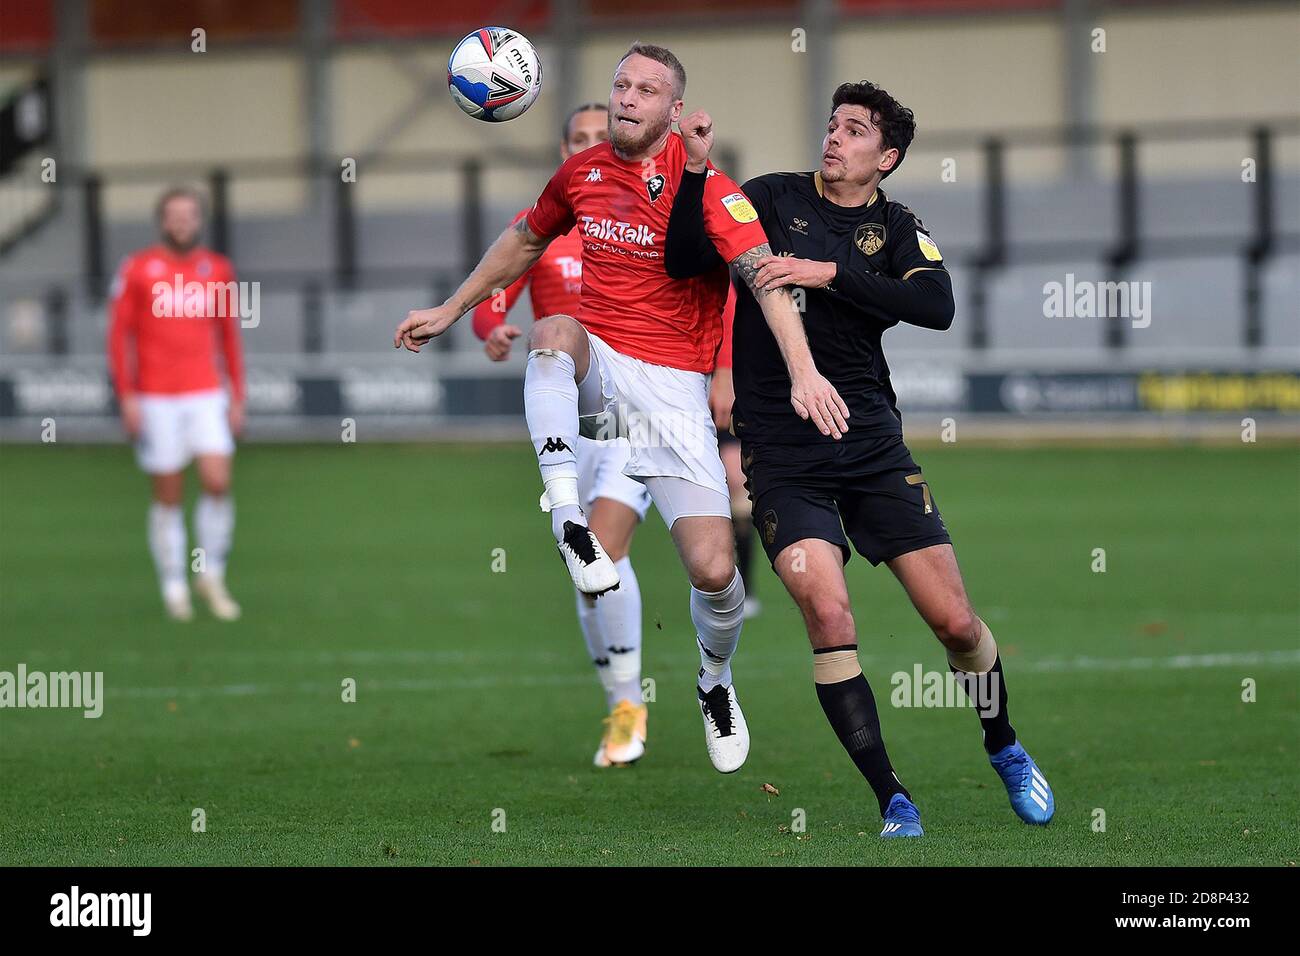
(568,23)
(819,20)
(68,73)
(1078,19)
(318,17)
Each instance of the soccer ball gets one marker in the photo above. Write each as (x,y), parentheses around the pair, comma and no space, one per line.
(494,74)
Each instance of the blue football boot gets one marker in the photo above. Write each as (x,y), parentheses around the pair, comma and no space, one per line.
(902,819)
(1030,795)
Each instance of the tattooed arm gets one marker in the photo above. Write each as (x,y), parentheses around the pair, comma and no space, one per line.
(514,253)
(810,393)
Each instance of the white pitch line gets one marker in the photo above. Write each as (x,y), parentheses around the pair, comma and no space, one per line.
(309,687)
(1179,662)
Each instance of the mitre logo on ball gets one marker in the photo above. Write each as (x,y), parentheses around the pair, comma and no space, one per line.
(494,74)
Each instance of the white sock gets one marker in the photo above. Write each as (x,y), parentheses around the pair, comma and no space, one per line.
(214,526)
(611,626)
(589,621)
(551,408)
(620,624)
(167,544)
(718,617)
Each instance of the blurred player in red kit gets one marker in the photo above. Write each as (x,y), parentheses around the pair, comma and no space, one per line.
(614,503)
(173,306)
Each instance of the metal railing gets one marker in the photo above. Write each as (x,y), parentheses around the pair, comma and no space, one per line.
(996,248)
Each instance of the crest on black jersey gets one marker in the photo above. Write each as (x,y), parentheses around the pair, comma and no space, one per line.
(654,186)
(870,238)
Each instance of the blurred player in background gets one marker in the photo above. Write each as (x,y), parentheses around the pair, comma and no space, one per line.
(722,394)
(864,263)
(614,503)
(173,306)
(642,344)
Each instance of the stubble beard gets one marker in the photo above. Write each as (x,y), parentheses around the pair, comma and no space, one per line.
(835,173)
(632,142)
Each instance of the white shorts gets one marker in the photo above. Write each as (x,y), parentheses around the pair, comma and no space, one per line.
(600,475)
(663,413)
(175,428)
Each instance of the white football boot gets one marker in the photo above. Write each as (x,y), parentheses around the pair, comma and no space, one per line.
(176,599)
(213,590)
(725,732)
(590,567)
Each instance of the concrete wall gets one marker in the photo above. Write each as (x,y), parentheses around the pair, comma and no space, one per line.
(968,73)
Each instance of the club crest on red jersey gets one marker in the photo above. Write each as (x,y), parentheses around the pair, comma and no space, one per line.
(654,186)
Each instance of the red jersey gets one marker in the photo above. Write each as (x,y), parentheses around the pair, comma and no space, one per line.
(175,307)
(621,211)
(554,282)
(728,320)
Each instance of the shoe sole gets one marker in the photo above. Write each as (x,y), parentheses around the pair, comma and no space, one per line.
(727,769)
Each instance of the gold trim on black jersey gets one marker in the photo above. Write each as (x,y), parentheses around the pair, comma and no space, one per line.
(911,272)
(821,190)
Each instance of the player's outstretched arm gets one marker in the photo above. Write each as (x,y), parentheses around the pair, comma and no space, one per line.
(513,254)
(920,296)
(913,287)
(810,393)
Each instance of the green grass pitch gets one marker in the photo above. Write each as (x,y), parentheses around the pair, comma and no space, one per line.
(475,695)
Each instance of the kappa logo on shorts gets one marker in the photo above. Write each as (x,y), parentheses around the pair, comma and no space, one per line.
(553,444)
(870,238)
(769,527)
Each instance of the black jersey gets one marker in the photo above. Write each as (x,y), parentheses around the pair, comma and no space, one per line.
(888,270)
(845,321)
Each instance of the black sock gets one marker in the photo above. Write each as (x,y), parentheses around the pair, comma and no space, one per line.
(744,550)
(851,708)
(998,732)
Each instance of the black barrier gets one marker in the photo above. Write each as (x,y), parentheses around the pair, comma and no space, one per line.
(418,392)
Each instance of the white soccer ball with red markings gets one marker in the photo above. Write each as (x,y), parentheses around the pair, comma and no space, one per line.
(494,74)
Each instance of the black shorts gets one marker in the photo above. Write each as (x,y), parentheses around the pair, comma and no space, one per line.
(869,488)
